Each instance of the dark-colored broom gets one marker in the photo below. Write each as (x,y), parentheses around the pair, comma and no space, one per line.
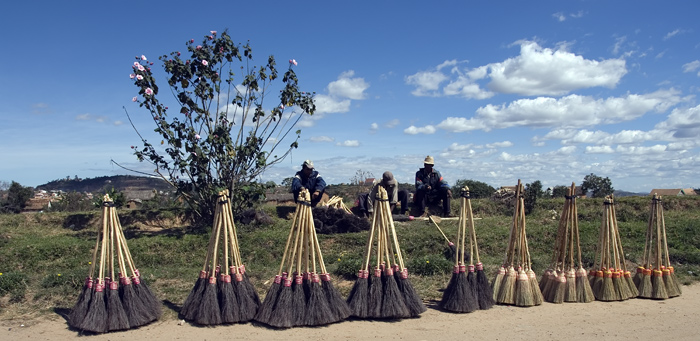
(95,319)
(482,288)
(80,308)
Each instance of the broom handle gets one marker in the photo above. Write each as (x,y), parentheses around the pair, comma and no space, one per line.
(387,218)
(598,264)
(396,245)
(289,238)
(230,240)
(527,248)
(623,262)
(613,239)
(511,239)
(112,244)
(372,229)
(658,238)
(310,233)
(560,235)
(461,231)
(317,246)
(105,237)
(91,274)
(473,229)
(663,230)
(235,250)
(120,247)
(297,233)
(578,236)
(307,209)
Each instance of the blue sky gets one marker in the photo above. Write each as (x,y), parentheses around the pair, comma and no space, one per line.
(496,91)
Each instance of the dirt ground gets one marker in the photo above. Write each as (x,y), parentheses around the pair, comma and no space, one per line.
(672,319)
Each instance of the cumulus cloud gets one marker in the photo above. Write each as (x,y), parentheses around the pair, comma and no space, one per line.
(374,126)
(559,16)
(599,150)
(321,139)
(573,111)
(692,66)
(118,123)
(502,144)
(535,71)
(348,87)
(682,123)
(413,130)
(349,143)
(330,105)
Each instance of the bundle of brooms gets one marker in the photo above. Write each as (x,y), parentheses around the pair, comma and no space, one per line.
(388,293)
(609,277)
(562,282)
(301,296)
(112,301)
(470,291)
(516,282)
(337,203)
(656,278)
(223,292)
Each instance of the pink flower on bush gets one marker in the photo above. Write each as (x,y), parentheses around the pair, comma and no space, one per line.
(213,32)
(211,37)
(199,47)
(292,61)
(205,62)
(149,91)
(132,76)
(139,77)
(143,57)
(136,64)
(191,41)
(193,153)
(197,136)
(178,53)
(134,99)
(141,68)
(282,106)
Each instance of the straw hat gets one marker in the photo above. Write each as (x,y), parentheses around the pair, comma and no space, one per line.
(308,164)
(388,179)
(429,160)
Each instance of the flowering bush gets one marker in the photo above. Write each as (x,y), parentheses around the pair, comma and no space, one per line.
(220,133)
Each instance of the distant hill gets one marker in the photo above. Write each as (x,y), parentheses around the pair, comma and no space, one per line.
(629,194)
(134,187)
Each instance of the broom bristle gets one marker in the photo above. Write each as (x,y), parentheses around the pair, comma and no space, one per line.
(374,307)
(550,286)
(359,296)
(471,302)
(96,317)
(598,285)
(668,282)
(298,310)
(506,295)
(658,288)
(268,304)
(450,299)
(230,310)
(638,276)
(545,278)
(209,312)
(281,316)
(676,283)
(393,305)
(631,287)
(152,304)
(591,277)
(537,297)
(570,295)
(246,303)
(483,289)
(318,312)
(251,288)
(413,302)
(584,292)
(77,314)
(189,308)
(135,310)
(116,316)
(523,292)
(558,292)
(645,286)
(497,282)
(619,286)
(607,289)
(339,308)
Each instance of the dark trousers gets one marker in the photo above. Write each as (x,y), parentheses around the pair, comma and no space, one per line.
(423,197)
(402,199)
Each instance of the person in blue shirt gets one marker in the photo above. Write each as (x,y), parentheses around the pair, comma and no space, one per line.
(310,179)
(431,187)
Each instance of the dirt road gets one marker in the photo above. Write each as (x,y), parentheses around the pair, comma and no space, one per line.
(674,319)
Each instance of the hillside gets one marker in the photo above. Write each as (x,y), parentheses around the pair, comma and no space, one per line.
(135,187)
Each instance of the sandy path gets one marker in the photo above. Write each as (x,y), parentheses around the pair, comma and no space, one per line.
(673,319)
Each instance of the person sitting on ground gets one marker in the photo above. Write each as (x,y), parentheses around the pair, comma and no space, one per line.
(431,188)
(310,179)
(366,201)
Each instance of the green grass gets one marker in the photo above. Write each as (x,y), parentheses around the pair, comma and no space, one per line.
(45,257)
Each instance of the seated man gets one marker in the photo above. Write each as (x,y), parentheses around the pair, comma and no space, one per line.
(431,187)
(308,178)
(366,201)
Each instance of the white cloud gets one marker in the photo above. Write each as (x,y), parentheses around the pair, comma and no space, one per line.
(682,123)
(349,143)
(544,71)
(559,16)
(321,139)
(535,71)
(374,126)
(573,111)
(578,14)
(673,33)
(392,123)
(502,144)
(83,117)
(459,147)
(413,130)
(348,87)
(330,105)
(118,123)
(599,150)
(619,41)
(692,66)
(641,150)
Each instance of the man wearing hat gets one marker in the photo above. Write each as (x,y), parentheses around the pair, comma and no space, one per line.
(392,190)
(308,178)
(431,187)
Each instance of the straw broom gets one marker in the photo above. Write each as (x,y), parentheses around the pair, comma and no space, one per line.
(672,286)
(506,278)
(584,292)
(628,289)
(116,316)
(484,293)
(658,287)
(643,280)
(230,308)
(524,295)
(358,300)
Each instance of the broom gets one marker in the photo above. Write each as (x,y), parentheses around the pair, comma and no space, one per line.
(95,319)
(643,280)
(627,288)
(506,288)
(230,308)
(451,245)
(136,312)
(672,286)
(454,298)
(116,316)
(584,292)
(209,311)
(482,288)
(80,308)
(268,305)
